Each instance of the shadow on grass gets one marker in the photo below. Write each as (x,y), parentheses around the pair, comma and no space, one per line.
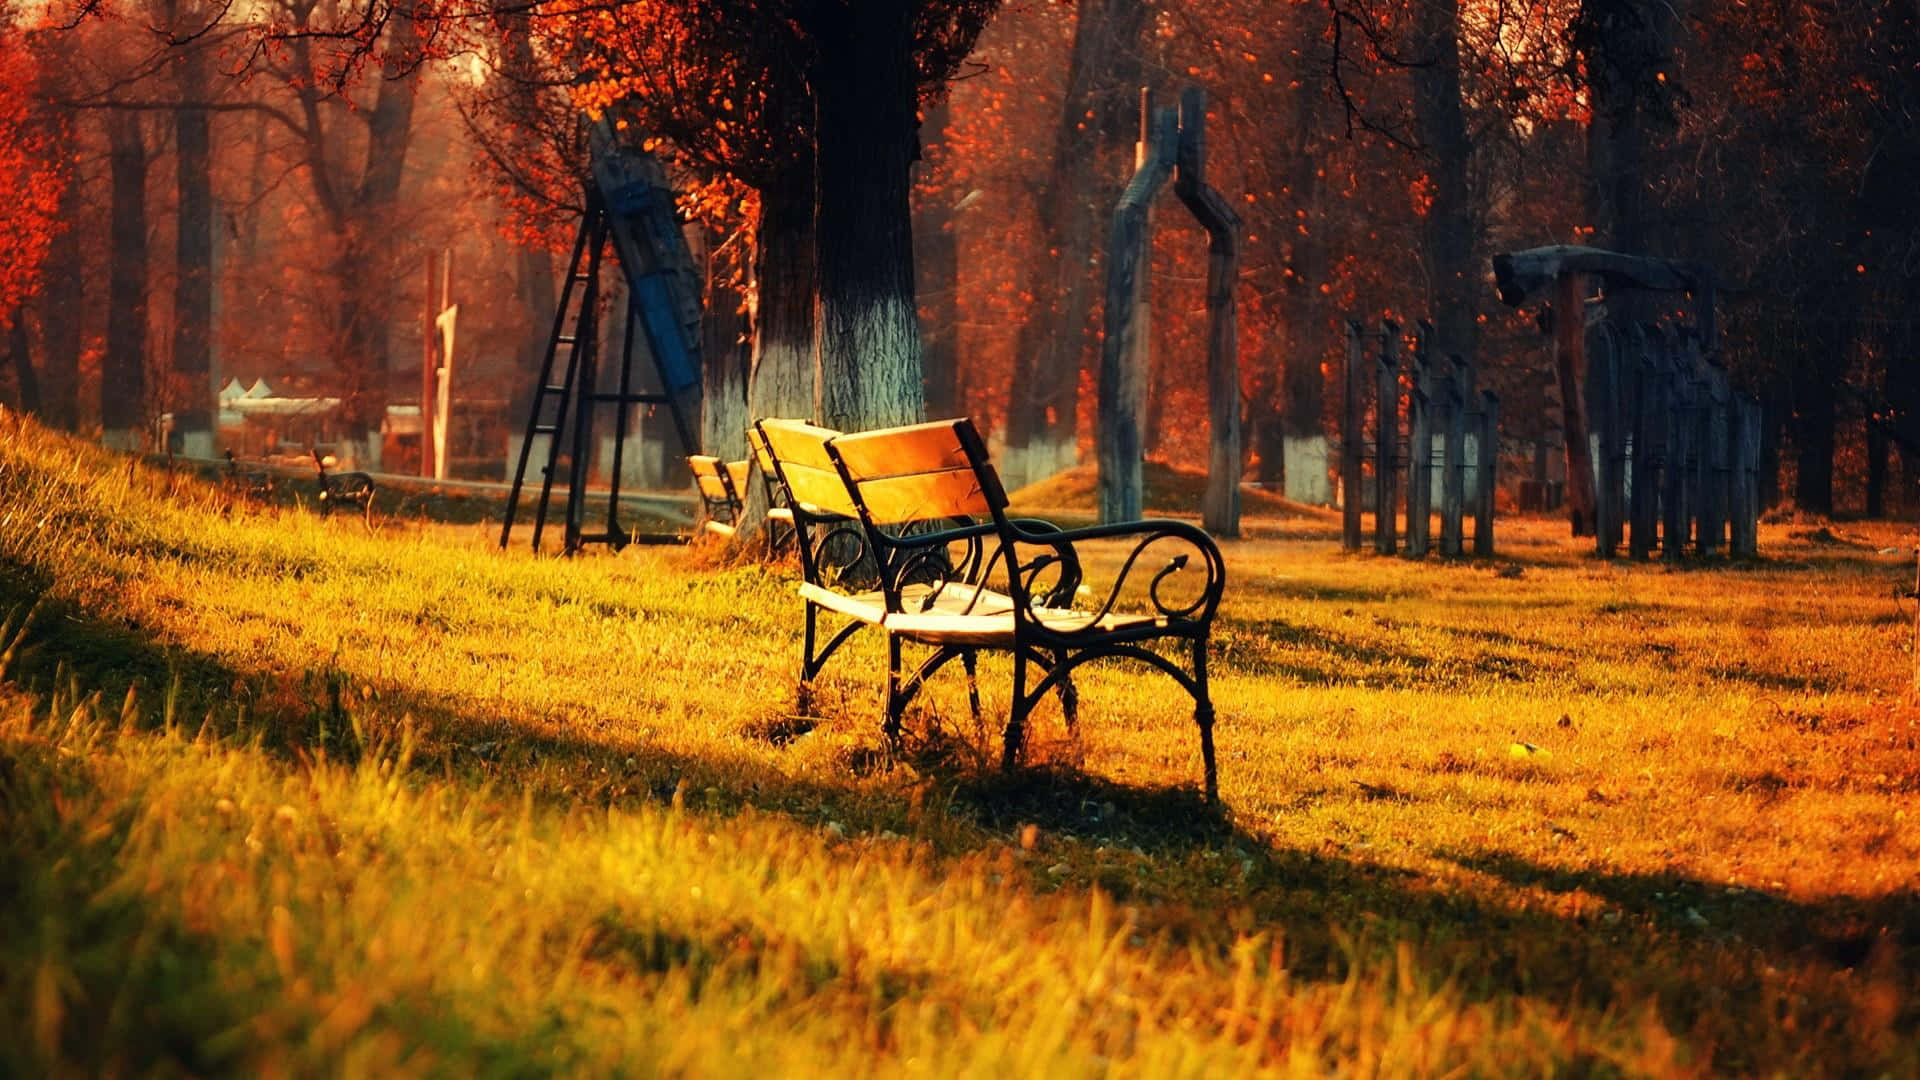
(1193,872)
(1844,932)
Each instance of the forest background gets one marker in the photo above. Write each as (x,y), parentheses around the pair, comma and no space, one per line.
(203,191)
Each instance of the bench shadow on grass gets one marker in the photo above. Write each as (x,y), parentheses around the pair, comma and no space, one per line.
(1681,941)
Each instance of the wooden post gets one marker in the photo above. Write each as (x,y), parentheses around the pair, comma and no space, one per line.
(1351,405)
(1486,469)
(1386,439)
(1673,510)
(1453,472)
(445,324)
(429,355)
(1122,391)
(1220,508)
(1644,498)
(1699,441)
(1570,363)
(1420,445)
(1745,496)
(1736,477)
(1605,414)
(1718,459)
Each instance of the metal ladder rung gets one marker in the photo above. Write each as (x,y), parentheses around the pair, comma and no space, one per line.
(626,399)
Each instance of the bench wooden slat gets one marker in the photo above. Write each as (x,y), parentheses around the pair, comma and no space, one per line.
(737,471)
(757,450)
(871,606)
(796,442)
(901,451)
(927,496)
(819,491)
(946,628)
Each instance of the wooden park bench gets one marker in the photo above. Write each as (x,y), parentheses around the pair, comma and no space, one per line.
(723,492)
(779,512)
(955,573)
(352,490)
(722,486)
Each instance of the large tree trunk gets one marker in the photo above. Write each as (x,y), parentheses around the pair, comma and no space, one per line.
(1449,224)
(1103,70)
(726,361)
(369,259)
(1303,317)
(865,135)
(786,375)
(26,386)
(124,367)
(1813,441)
(937,250)
(193,414)
(534,277)
(62,299)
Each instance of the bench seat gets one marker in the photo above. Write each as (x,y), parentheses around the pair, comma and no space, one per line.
(871,606)
(941,628)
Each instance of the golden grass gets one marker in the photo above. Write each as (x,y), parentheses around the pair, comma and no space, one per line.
(280,795)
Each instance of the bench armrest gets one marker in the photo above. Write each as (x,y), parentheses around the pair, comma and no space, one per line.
(930,554)
(1180,544)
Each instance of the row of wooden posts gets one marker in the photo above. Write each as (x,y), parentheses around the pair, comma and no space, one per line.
(1677,451)
(1442,412)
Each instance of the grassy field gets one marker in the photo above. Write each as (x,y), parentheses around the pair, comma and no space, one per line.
(283,796)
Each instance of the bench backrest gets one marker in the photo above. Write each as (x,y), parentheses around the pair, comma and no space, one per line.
(762,459)
(720,482)
(799,453)
(922,472)
(757,451)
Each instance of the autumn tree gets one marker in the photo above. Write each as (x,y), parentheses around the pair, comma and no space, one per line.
(29,220)
(1097,112)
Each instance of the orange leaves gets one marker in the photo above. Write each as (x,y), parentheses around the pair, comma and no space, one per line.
(32,182)
(1420,195)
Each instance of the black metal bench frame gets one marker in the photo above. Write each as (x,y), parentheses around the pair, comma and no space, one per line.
(350,489)
(961,584)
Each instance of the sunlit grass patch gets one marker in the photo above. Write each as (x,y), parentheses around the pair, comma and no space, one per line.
(282,794)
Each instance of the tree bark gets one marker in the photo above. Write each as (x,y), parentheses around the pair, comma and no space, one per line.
(1448,226)
(1303,317)
(865,137)
(194,416)
(369,239)
(62,299)
(26,386)
(937,247)
(1815,418)
(1103,71)
(786,377)
(124,367)
(726,364)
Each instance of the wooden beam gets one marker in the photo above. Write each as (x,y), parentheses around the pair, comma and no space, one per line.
(1386,439)
(1420,444)
(1351,405)
(1570,364)
(1122,390)
(1220,507)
